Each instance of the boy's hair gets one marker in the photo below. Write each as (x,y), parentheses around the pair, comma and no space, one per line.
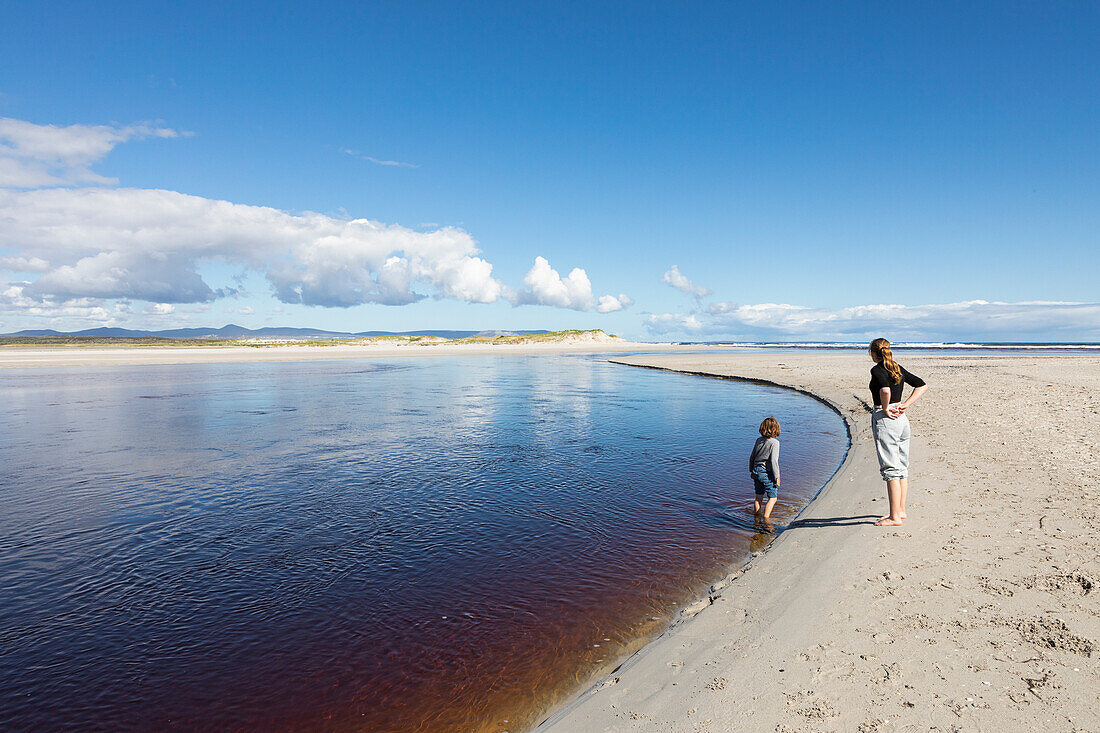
(770,428)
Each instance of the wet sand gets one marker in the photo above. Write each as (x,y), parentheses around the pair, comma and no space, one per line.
(980,613)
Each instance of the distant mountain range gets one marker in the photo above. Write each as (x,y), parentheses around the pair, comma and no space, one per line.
(233,331)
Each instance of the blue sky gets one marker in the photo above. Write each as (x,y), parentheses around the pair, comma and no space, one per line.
(814,166)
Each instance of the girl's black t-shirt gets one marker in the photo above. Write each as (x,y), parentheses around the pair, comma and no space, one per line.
(881,378)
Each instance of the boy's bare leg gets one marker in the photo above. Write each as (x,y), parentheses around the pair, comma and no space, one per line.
(893,493)
(768,509)
(756,507)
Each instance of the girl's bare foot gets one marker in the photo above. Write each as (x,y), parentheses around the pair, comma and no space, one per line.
(903,515)
(888,522)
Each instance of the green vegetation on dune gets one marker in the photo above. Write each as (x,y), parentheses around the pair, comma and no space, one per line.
(400,340)
(536,338)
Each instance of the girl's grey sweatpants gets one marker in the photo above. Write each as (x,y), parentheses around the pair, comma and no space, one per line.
(891,444)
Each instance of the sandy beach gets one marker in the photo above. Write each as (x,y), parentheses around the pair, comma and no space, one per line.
(15,357)
(980,613)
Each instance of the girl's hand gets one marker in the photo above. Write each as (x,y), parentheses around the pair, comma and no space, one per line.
(777,482)
(893,411)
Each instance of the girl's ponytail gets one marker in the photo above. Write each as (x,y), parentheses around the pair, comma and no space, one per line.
(880,351)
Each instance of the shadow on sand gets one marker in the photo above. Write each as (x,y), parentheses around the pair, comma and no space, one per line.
(833,521)
(766,531)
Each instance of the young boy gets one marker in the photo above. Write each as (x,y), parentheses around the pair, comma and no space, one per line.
(764,467)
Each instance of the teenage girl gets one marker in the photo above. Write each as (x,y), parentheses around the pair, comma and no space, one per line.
(890,425)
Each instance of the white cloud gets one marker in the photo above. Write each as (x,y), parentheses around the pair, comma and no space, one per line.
(543,285)
(667,323)
(91,246)
(24,264)
(164,309)
(546,287)
(84,311)
(679,281)
(147,244)
(612,303)
(246,311)
(32,156)
(976,320)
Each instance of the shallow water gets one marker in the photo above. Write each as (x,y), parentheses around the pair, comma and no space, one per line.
(423,544)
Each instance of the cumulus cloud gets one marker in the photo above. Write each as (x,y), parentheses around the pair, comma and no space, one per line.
(612,303)
(147,245)
(32,156)
(977,320)
(90,244)
(24,264)
(668,323)
(83,310)
(546,287)
(165,276)
(543,285)
(682,283)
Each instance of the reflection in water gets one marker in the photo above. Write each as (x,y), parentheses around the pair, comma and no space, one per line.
(428,544)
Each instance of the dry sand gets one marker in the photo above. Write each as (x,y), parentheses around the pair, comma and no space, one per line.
(980,613)
(14,357)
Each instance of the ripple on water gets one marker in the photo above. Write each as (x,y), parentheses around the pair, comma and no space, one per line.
(429,544)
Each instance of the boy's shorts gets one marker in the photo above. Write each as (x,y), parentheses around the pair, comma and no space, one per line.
(763,483)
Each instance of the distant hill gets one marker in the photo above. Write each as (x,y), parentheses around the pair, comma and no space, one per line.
(232,331)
